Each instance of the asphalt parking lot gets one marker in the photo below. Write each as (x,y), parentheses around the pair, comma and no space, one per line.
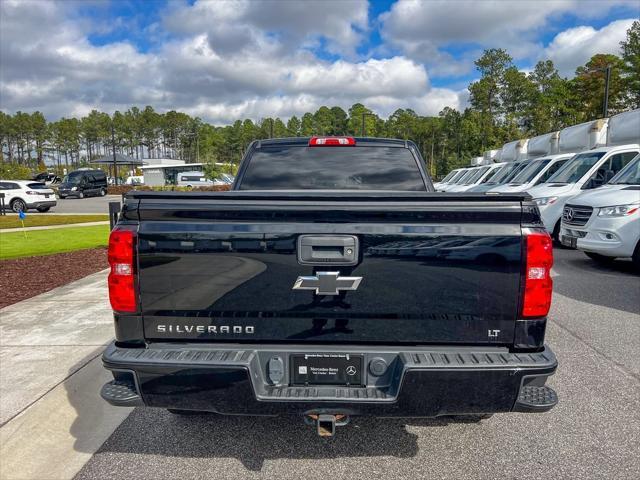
(85,205)
(593,433)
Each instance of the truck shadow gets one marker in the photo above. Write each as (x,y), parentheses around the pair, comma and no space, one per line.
(254,440)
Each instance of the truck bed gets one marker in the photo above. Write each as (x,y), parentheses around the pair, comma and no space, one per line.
(435,269)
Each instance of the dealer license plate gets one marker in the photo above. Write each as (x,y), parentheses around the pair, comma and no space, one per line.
(326,369)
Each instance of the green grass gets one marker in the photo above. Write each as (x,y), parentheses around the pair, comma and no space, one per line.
(11,220)
(50,241)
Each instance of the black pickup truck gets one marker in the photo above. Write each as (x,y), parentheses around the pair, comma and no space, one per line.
(330,282)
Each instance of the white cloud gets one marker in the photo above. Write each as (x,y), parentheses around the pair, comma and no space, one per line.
(423,29)
(236,25)
(575,46)
(226,61)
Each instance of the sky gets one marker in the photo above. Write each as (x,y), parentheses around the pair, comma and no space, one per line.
(227,60)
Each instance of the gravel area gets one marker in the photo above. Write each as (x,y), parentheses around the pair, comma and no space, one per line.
(24,278)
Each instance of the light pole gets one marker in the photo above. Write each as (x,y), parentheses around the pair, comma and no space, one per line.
(607,80)
(364,114)
(113,151)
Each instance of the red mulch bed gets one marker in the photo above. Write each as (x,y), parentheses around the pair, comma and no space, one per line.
(23,278)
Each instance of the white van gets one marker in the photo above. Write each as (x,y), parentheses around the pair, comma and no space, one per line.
(192,179)
(502,176)
(453,180)
(585,171)
(447,177)
(482,174)
(536,172)
(465,180)
(605,222)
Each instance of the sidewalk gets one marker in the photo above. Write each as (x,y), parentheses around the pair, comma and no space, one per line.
(52,418)
(49,227)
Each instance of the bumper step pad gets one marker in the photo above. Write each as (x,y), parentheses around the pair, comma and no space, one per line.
(121,394)
(536,399)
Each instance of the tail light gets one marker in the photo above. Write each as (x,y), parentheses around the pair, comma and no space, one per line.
(122,292)
(538,285)
(332,142)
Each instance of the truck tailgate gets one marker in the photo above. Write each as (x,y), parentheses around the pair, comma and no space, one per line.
(434,269)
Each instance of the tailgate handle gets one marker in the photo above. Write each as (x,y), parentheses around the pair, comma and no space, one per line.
(328,249)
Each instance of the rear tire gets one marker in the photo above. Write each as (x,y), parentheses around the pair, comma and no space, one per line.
(601,259)
(81,195)
(18,205)
(636,256)
(555,235)
(103,192)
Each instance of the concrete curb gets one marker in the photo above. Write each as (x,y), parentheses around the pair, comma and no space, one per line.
(52,227)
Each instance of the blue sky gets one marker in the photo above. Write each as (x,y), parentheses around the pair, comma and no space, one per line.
(229,59)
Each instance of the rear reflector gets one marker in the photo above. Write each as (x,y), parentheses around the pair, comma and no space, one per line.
(538,284)
(332,141)
(122,294)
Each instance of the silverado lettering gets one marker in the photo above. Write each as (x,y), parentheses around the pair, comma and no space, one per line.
(340,284)
(204,329)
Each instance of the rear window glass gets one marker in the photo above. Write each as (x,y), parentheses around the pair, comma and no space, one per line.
(37,186)
(332,168)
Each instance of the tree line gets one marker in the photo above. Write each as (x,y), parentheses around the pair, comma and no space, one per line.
(504,104)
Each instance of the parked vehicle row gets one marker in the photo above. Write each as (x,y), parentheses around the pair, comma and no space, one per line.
(568,186)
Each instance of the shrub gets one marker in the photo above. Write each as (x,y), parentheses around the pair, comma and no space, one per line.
(14,171)
(122,189)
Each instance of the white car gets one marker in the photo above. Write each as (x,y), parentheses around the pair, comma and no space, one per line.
(22,195)
(605,222)
(586,170)
(536,172)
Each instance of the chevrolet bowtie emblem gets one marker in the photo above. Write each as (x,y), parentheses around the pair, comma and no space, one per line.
(327,283)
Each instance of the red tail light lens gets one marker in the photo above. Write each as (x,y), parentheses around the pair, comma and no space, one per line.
(538,283)
(122,292)
(332,142)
